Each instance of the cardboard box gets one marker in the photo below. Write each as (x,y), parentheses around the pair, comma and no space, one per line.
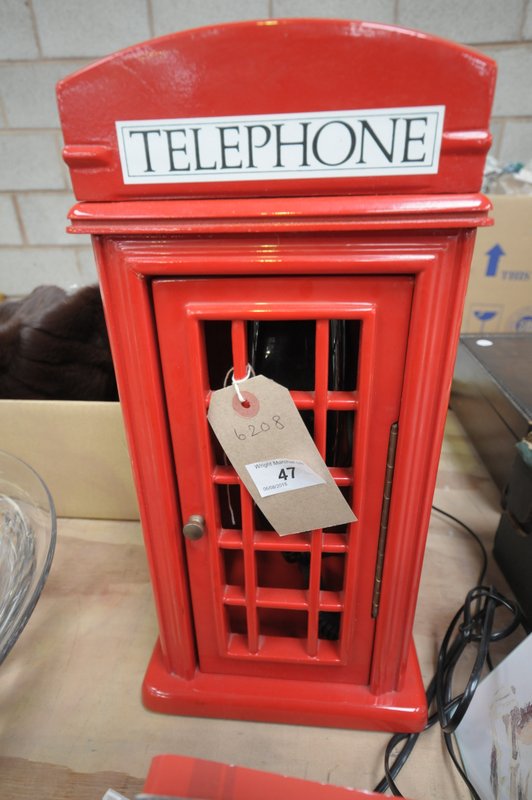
(79,449)
(499,297)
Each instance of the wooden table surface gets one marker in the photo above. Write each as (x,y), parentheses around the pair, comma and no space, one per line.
(71,721)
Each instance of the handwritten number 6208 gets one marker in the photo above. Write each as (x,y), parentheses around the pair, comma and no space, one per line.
(263,427)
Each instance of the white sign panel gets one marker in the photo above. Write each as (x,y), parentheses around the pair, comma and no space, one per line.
(282,475)
(332,144)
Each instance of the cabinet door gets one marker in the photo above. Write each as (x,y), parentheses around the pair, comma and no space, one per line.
(298,606)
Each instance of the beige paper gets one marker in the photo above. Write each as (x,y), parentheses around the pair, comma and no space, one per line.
(269,428)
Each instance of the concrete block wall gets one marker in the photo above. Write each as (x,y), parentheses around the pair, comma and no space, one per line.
(43,40)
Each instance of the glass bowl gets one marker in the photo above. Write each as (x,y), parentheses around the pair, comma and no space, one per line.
(27,544)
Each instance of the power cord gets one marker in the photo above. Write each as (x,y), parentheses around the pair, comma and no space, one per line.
(474,623)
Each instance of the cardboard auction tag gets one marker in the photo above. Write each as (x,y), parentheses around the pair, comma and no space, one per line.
(268,445)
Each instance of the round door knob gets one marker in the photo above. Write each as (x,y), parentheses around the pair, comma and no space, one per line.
(194,528)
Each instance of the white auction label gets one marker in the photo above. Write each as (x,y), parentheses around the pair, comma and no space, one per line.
(282,475)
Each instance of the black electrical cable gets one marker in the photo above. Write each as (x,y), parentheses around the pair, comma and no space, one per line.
(474,623)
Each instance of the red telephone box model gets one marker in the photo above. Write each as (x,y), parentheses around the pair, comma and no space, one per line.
(301,195)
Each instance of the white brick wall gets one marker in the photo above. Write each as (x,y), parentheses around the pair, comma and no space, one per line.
(177,15)
(468,21)
(74,28)
(527,28)
(43,40)
(517,138)
(44,215)
(374,10)
(10,231)
(17,34)
(27,89)
(24,268)
(30,159)
(513,97)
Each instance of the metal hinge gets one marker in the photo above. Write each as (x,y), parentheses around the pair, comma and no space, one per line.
(386,499)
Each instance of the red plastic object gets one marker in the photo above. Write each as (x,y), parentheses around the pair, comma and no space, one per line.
(191,265)
(195,778)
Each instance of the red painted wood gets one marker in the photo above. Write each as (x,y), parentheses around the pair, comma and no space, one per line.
(384,308)
(329,704)
(194,777)
(391,251)
(282,215)
(275,67)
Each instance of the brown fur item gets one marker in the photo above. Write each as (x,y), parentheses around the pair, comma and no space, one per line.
(54,346)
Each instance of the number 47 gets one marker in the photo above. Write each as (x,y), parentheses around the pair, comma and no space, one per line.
(283,473)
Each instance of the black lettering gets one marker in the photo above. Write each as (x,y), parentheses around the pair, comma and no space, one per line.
(350,151)
(366,127)
(199,165)
(409,139)
(225,146)
(300,143)
(252,144)
(145,135)
(172,150)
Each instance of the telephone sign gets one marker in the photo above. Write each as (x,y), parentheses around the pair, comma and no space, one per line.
(382,141)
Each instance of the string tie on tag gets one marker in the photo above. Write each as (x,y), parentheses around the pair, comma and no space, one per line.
(237,381)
